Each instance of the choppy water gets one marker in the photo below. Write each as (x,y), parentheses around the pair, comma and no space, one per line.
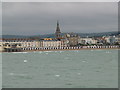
(0,71)
(61,69)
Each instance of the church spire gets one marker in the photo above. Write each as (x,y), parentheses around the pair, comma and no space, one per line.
(57,33)
(57,23)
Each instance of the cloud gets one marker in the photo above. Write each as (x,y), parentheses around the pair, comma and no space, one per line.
(0,18)
(60,0)
(40,18)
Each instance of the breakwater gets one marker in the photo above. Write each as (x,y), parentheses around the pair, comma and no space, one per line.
(27,49)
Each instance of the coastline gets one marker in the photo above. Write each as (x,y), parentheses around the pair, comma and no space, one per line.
(68,49)
(72,49)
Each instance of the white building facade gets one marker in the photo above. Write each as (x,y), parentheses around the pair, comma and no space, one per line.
(87,41)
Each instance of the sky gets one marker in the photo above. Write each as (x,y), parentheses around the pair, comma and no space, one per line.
(60,0)
(0,19)
(36,18)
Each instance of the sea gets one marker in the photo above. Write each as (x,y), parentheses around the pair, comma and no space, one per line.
(60,69)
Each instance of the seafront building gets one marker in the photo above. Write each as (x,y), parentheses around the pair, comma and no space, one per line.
(67,41)
(23,45)
(16,44)
(87,41)
(52,43)
(72,39)
(110,40)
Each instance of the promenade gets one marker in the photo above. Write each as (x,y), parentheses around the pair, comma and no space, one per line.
(67,48)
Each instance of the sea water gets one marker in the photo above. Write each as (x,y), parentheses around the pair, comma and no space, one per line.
(60,69)
(0,71)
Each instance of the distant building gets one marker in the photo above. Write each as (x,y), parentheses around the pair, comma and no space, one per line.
(72,39)
(112,39)
(68,40)
(58,33)
(117,40)
(101,41)
(51,43)
(1,45)
(47,39)
(87,41)
(107,39)
(22,42)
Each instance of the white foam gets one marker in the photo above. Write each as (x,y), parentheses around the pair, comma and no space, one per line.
(25,61)
(108,52)
(83,61)
(19,52)
(46,53)
(11,73)
(76,51)
(24,52)
(17,74)
(40,52)
(79,73)
(21,74)
(61,51)
(49,51)
(57,75)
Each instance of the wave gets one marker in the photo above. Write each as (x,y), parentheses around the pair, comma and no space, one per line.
(14,74)
(19,52)
(48,51)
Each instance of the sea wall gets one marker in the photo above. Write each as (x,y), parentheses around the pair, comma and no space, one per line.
(30,49)
(68,48)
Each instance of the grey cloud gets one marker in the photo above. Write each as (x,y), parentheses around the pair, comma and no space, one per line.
(60,0)
(0,18)
(40,18)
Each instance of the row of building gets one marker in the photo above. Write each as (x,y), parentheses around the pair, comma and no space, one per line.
(105,40)
(67,40)
(64,42)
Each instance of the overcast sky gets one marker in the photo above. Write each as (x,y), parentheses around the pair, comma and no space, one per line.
(40,18)
(0,19)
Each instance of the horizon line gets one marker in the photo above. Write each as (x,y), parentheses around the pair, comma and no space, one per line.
(63,33)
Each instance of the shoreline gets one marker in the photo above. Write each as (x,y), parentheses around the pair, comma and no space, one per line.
(72,49)
(67,49)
